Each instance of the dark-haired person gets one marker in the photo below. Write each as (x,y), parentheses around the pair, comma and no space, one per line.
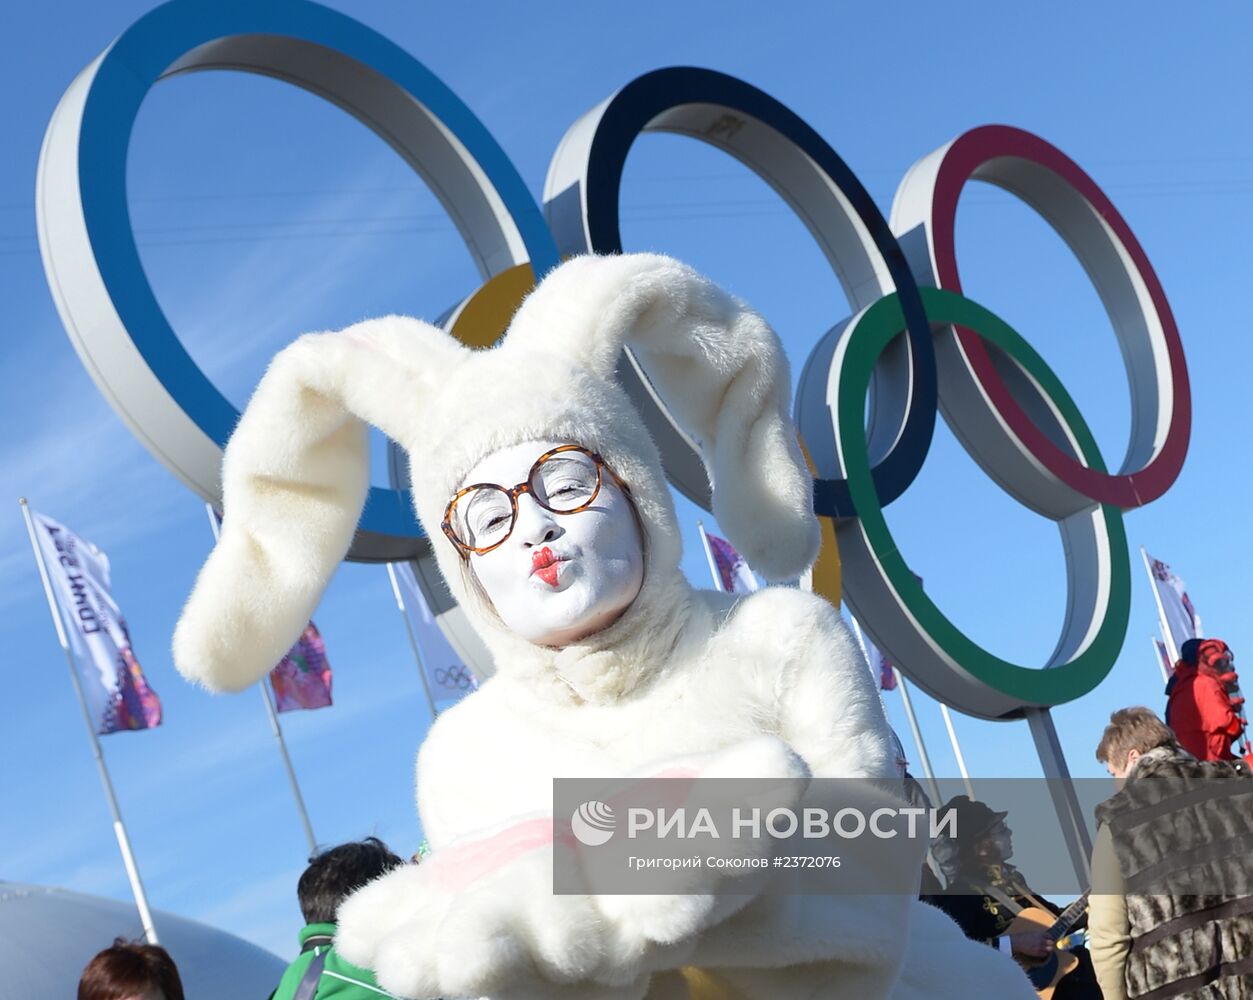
(319,973)
(131,971)
(1172,816)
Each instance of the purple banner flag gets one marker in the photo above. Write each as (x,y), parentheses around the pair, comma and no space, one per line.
(887,674)
(733,573)
(302,680)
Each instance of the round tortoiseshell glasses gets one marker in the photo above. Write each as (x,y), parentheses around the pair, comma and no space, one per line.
(565,480)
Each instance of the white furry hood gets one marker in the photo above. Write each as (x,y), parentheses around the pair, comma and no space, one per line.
(296,469)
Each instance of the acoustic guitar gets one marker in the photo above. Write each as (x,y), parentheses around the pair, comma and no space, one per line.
(1045,975)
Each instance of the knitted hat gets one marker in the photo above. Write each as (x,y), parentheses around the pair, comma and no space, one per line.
(296,470)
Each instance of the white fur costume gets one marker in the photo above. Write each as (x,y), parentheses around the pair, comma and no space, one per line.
(771,685)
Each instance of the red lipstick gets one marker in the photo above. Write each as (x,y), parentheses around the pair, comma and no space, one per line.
(544,564)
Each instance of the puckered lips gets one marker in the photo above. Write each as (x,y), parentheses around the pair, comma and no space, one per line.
(546,565)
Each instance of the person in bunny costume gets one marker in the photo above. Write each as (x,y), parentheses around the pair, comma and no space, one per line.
(554,528)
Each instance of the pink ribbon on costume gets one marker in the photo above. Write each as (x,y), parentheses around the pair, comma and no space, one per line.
(457,867)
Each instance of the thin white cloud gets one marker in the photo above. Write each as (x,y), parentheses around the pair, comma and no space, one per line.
(78,463)
(233,324)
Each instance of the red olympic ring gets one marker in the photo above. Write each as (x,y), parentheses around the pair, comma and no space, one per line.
(1156,452)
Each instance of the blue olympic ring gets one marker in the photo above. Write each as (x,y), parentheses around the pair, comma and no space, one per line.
(189,34)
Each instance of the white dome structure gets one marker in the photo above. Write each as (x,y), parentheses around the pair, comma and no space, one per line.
(48,935)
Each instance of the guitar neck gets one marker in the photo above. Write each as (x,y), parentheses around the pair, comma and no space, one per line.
(1070,916)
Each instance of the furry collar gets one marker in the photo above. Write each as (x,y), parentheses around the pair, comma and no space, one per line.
(612,664)
(1150,759)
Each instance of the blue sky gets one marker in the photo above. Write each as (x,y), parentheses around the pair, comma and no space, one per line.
(262,213)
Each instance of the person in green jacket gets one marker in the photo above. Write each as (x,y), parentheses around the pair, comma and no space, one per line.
(318,973)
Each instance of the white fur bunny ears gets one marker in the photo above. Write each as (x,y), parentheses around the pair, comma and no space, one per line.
(295,475)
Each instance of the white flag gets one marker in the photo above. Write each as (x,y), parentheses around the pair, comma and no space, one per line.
(1177,610)
(447,675)
(118,696)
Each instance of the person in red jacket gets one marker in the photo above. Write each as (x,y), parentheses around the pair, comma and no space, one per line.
(1199,707)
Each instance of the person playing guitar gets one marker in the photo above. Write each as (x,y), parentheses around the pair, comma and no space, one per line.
(990,900)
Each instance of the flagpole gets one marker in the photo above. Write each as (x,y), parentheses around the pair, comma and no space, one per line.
(119,828)
(413,639)
(275,728)
(957,750)
(924,760)
(1161,610)
(709,556)
(1157,655)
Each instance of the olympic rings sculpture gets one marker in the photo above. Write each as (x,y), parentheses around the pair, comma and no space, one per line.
(915,344)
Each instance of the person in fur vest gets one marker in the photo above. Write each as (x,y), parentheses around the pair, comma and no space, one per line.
(546,503)
(1171,910)
(1199,707)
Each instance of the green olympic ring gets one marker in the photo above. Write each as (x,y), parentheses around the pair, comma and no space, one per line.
(928,641)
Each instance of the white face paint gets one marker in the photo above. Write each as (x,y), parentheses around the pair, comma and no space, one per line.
(558,578)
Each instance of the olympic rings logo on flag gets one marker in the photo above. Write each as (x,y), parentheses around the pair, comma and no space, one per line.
(456,677)
(1002,401)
